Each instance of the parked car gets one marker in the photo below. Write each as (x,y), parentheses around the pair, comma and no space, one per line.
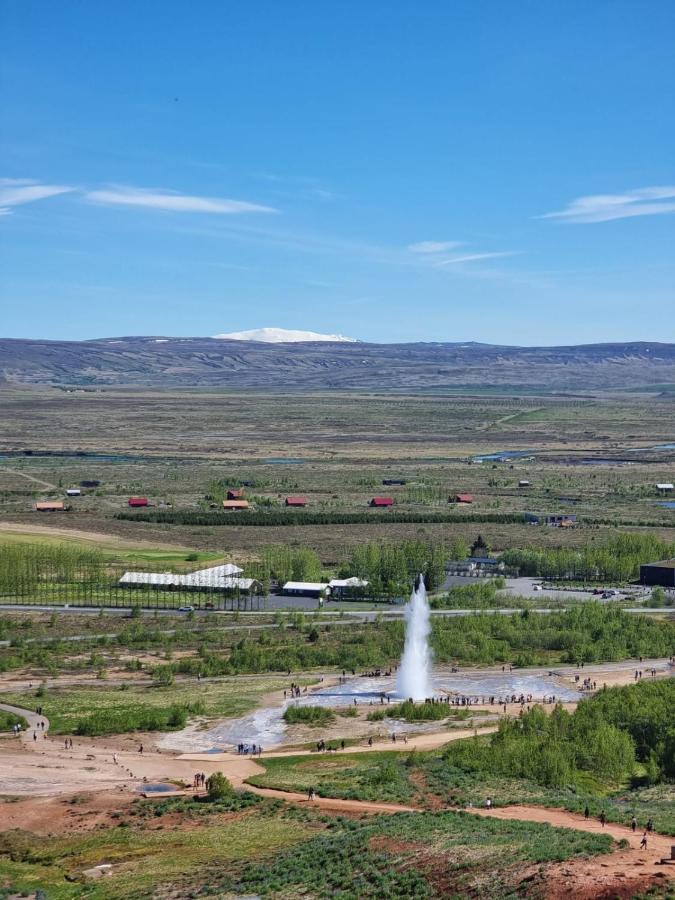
(186,609)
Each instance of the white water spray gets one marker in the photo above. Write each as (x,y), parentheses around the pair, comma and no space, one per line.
(414,674)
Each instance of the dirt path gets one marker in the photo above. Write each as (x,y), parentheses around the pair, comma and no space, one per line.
(47,484)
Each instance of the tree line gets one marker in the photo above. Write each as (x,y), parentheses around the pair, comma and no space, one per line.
(618,560)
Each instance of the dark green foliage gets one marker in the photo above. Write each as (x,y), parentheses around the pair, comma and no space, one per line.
(646,711)
(8,720)
(278,517)
(391,569)
(598,738)
(618,560)
(136,718)
(218,787)
(590,633)
(417,712)
(353,861)
(315,716)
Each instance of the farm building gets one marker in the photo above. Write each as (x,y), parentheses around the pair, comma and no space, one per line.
(475,565)
(296,501)
(215,578)
(382,501)
(665,487)
(345,588)
(461,498)
(138,501)
(658,573)
(73,492)
(90,483)
(236,504)
(389,481)
(562,519)
(49,506)
(304,589)
(235,494)
(523,483)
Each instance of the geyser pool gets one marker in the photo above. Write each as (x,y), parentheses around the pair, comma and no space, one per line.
(414,674)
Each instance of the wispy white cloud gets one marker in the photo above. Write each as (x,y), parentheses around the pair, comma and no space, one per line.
(172,201)
(434,246)
(17,191)
(474,257)
(648,201)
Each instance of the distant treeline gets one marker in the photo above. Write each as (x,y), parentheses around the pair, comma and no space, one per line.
(617,560)
(297,517)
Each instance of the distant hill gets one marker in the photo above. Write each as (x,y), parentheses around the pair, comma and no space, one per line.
(216,362)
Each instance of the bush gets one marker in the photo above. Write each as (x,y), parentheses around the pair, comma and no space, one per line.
(218,786)
(314,716)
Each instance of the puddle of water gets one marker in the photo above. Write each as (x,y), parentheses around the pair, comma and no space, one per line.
(159,788)
(667,504)
(501,456)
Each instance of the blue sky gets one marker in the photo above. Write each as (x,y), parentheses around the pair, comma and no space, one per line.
(470,170)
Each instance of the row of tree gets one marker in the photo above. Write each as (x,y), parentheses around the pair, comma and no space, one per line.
(618,560)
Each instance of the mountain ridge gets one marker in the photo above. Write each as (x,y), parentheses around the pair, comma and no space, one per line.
(160,361)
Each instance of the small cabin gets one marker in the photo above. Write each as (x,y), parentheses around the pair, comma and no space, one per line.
(382,501)
(73,492)
(236,504)
(296,501)
(665,487)
(523,483)
(138,501)
(315,589)
(49,506)
(463,498)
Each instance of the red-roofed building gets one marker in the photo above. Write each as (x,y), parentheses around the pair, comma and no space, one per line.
(382,501)
(296,501)
(463,498)
(138,501)
(236,504)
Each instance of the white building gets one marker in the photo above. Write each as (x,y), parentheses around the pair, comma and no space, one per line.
(346,587)
(217,578)
(305,588)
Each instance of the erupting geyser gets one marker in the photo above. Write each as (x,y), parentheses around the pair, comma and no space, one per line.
(414,674)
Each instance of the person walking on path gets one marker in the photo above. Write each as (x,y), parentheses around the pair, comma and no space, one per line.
(643,842)
(603,818)
(633,824)
(587,812)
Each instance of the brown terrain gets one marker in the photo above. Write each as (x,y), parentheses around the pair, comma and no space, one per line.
(174,362)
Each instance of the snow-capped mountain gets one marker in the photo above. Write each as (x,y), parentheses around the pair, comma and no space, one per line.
(283,336)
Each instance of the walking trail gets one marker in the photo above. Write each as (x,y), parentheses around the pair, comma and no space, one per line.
(42,769)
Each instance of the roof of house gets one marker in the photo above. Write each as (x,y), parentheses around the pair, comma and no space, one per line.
(305,586)
(382,501)
(216,577)
(236,504)
(663,564)
(465,498)
(139,500)
(49,504)
(73,492)
(296,501)
(666,486)
(347,583)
